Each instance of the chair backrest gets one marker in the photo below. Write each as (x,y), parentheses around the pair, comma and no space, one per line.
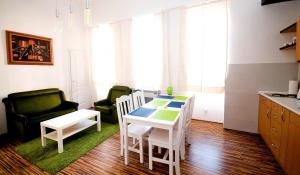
(124,106)
(116,92)
(190,109)
(148,94)
(182,124)
(138,99)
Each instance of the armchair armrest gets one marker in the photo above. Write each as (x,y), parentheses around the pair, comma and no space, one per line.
(101,102)
(70,104)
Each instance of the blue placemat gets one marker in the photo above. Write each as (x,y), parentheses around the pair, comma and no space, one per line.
(175,104)
(165,96)
(142,112)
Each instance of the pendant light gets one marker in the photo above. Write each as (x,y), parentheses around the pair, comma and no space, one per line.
(87,13)
(70,15)
(58,28)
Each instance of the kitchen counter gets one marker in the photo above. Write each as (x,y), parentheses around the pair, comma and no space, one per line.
(292,104)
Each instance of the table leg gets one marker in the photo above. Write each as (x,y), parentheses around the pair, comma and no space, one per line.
(43,133)
(60,141)
(125,141)
(171,151)
(98,122)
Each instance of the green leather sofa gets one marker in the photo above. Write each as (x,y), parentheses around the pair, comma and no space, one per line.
(107,107)
(25,110)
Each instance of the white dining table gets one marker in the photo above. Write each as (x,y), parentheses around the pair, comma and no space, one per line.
(155,122)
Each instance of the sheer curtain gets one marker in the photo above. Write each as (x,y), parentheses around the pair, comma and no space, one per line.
(111,56)
(206,47)
(204,41)
(147,62)
(128,52)
(102,60)
(123,52)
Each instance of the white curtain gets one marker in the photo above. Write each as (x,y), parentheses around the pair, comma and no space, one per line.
(206,47)
(147,52)
(204,40)
(123,52)
(102,60)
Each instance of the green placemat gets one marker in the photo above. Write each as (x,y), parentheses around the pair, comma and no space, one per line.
(181,98)
(158,102)
(167,115)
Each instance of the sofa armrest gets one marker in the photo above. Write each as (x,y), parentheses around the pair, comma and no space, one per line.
(70,104)
(20,117)
(8,105)
(101,102)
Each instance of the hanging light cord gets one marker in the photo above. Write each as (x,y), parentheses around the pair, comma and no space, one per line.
(87,4)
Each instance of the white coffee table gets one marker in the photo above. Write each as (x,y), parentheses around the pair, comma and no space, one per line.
(68,125)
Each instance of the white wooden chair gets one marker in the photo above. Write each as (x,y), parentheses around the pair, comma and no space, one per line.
(124,106)
(138,99)
(160,138)
(189,119)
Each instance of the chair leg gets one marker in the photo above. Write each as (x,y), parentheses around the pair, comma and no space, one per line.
(188,135)
(133,140)
(182,149)
(150,156)
(177,162)
(159,149)
(122,144)
(141,149)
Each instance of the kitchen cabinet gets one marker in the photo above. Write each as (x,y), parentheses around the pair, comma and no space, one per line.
(285,119)
(264,118)
(293,146)
(280,129)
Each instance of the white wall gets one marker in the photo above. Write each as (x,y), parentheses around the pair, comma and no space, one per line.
(38,17)
(254,31)
(254,40)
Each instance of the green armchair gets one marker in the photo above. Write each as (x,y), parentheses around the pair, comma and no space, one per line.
(25,111)
(107,107)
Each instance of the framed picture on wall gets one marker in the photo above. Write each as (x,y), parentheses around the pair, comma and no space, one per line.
(28,49)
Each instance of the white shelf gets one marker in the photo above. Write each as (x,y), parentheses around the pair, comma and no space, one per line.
(71,130)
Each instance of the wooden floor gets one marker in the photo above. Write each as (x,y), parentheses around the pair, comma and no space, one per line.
(213,151)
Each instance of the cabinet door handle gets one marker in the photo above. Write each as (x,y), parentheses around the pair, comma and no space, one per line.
(273,145)
(282,118)
(268,113)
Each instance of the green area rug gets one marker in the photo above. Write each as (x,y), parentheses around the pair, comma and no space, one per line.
(48,159)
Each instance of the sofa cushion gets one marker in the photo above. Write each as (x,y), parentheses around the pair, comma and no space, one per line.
(40,118)
(37,104)
(105,109)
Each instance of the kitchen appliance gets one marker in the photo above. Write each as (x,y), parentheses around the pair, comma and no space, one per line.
(293,87)
(298,95)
